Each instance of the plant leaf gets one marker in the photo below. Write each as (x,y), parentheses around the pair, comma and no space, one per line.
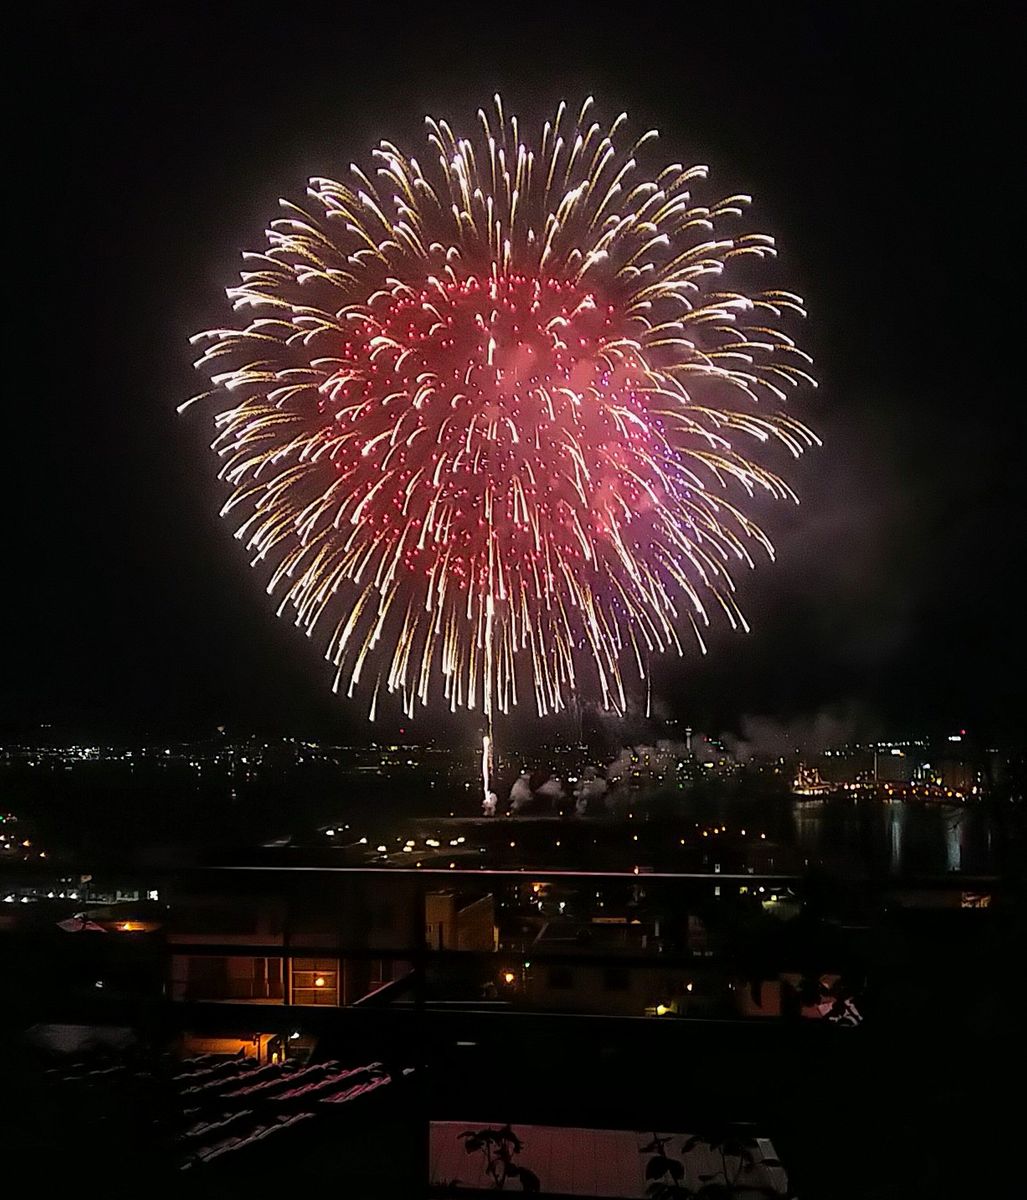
(714,1191)
(530,1182)
(657,1166)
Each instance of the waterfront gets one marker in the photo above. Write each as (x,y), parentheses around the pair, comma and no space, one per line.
(900,837)
(748,819)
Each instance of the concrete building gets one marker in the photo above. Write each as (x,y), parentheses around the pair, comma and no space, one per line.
(206,933)
(459,921)
(600,971)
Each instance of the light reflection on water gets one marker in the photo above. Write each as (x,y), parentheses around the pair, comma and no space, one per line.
(898,836)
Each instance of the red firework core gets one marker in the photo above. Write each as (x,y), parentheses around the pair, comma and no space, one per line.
(501,421)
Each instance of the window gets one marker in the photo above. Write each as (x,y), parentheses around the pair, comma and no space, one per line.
(236,977)
(206,977)
(315,981)
(616,979)
(267,979)
(561,978)
(252,978)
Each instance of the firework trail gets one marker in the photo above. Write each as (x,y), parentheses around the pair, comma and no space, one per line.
(492,418)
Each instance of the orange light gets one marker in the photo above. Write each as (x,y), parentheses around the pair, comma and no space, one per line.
(509,976)
(319,981)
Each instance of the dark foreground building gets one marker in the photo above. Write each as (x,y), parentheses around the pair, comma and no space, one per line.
(290,1025)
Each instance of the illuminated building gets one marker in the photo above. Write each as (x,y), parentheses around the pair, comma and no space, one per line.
(602,969)
(956,776)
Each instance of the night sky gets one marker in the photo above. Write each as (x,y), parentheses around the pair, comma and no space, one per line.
(151,144)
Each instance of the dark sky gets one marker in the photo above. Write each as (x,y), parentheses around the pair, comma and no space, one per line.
(151,143)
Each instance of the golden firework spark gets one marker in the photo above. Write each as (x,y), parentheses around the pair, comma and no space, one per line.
(493,418)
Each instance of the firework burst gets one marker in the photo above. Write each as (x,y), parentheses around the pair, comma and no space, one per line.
(495,416)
